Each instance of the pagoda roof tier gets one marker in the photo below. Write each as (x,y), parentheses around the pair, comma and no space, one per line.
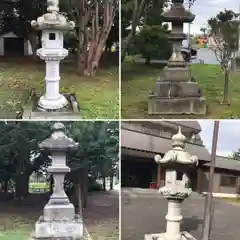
(54,21)
(178,14)
(176,36)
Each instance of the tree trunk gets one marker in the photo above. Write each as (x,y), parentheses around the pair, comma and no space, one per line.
(104,184)
(111,182)
(5,186)
(21,188)
(147,60)
(99,36)
(226,81)
(84,188)
(138,6)
(51,185)
(32,37)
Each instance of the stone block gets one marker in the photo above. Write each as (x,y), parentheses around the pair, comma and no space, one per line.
(56,212)
(59,230)
(161,236)
(177,74)
(175,106)
(177,89)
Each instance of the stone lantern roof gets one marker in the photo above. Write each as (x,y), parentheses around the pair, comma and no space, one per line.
(58,141)
(178,13)
(177,156)
(53,19)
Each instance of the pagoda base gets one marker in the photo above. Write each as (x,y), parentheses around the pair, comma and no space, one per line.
(162,236)
(70,111)
(176,106)
(59,230)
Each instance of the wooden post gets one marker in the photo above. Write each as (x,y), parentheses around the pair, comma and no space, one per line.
(208,208)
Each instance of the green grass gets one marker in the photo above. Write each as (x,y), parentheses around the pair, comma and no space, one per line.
(97,96)
(138,80)
(233,200)
(14,235)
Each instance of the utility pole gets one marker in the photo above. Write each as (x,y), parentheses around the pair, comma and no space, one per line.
(190,3)
(208,208)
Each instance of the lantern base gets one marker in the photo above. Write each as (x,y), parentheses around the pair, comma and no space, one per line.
(55,104)
(162,236)
(69,230)
(71,111)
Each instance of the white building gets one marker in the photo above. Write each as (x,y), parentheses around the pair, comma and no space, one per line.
(13,45)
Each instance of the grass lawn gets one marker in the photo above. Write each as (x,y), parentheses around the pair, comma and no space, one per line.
(138,80)
(97,97)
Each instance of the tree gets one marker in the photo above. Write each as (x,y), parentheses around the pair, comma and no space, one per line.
(152,40)
(132,11)
(94,21)
(204,30)
(236,155)
(224,32)
(20,155)
(152,43)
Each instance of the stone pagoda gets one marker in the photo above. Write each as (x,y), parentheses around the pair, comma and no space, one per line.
(177,92)
(59,220)
(178,164)
(53,25)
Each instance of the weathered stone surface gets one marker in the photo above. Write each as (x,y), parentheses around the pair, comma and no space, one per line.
(161,236)
(187,105)
(177,74)
(59,212)
(177,89)
(59,229)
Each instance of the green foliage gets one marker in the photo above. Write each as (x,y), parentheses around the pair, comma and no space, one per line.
(20,155)
(152,43)
(224,31)
(236,155)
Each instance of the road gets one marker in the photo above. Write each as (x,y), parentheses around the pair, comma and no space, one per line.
(145,213)
(207,55)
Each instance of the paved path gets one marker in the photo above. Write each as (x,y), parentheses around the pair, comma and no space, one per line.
(207,55)
(141,215)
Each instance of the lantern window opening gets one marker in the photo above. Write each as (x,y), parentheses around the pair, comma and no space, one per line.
(52,36)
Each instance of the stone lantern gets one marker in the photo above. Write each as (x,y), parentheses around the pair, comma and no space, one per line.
(177,163)
(53,25)
(59,220)
(177,92)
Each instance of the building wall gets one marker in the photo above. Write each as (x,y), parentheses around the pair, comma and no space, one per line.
(217,185)
(27,45)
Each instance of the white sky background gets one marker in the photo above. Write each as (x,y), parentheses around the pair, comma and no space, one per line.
(205,9)
(228,136)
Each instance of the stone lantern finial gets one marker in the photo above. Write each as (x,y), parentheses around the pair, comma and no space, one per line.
(178,140)
(53,5)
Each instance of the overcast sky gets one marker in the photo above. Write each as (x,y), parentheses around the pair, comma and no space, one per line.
(228,138)
(205,9)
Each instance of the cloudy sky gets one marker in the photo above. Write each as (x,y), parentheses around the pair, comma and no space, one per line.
(205,9)
(228,137)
